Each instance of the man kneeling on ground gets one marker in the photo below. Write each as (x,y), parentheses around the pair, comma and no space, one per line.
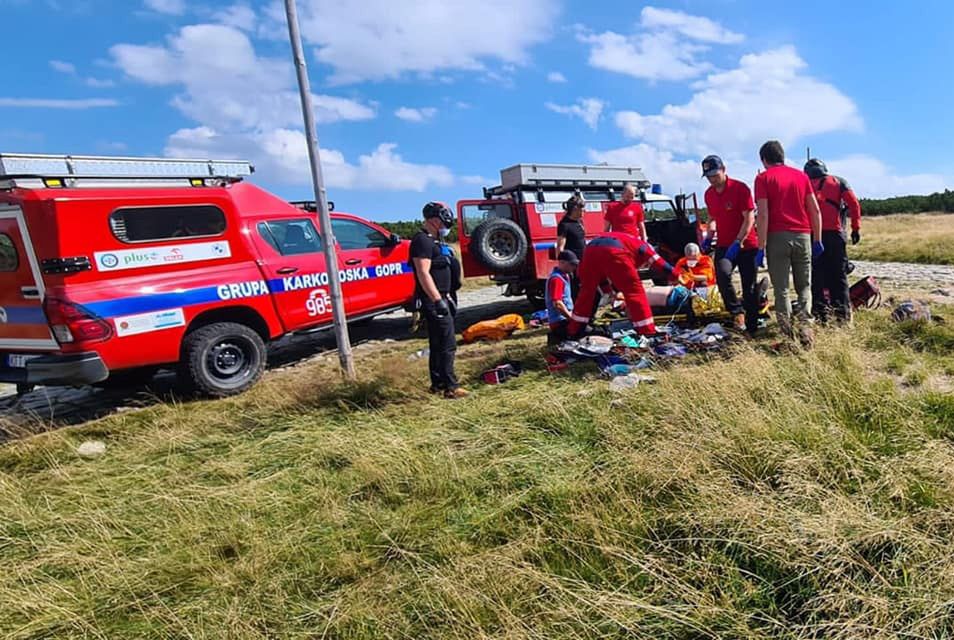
(695,270)
(559,298)
(616,257)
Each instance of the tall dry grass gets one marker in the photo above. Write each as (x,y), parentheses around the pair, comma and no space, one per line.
(800,496)
(926,238)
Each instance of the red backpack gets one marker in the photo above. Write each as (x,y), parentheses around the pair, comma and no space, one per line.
(865,293)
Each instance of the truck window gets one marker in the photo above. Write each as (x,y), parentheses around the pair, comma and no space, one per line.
(291,237)
(474,214)
(659,211)
(148,224)
(352,234)
(9,261)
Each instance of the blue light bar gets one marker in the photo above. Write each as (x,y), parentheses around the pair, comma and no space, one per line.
(657,188)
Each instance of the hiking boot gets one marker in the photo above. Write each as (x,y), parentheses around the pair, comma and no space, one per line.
(456,394)
(436,390)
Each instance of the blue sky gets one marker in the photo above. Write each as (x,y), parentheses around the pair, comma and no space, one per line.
(429,99)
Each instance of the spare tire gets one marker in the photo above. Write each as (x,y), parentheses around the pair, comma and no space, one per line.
(499,244)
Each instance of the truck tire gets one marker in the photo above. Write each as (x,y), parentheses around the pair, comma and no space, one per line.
(222,359)
(499,244)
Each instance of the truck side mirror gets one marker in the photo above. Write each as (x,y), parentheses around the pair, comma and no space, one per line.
(393,240)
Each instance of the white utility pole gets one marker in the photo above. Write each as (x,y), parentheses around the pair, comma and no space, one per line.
(321,197)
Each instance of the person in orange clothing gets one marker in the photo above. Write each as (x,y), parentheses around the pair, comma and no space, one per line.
(626,215)
(830,270)
(695,270)
(616,257)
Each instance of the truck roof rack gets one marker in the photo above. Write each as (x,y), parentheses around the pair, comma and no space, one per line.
(42,170)
(310,205)
(567,176)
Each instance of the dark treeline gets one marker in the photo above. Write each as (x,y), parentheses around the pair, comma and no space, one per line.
(909,204)
(407,228)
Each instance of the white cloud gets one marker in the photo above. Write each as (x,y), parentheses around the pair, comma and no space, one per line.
(169,7)
(98,83)
(281,155)
(556,77)
(694,27)
(416,115)
(871,178)
(768,96)
(48,103)
(588,110)
(63,67)
(240,16)
(674,174)
(665,46)
(387,39)
(226,83)
(476,180)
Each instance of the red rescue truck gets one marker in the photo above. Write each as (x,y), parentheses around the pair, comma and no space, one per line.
(111,268)
(510,234)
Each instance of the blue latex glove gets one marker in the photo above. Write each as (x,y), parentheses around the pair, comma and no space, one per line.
(817,248)
(707,244)
(760,258)
(733,251)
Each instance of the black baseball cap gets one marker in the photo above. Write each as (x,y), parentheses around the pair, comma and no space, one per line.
(568,256)
(711,166)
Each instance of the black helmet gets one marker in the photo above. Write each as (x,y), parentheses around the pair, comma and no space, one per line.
(816,169)
(439,210)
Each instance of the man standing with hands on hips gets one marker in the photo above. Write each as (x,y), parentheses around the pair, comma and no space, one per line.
(732,217)
(789,233)
(432,273)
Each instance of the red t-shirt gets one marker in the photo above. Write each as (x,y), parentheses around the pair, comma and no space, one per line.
(786,190)
(625,218)
(728,210)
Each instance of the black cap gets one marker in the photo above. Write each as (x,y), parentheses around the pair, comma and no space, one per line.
(568,256)
(711,165)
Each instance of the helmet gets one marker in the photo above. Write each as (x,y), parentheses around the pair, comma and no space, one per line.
(439,210)
(816,169)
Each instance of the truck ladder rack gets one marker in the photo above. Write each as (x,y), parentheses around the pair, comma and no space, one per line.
(566,176)
(41,170)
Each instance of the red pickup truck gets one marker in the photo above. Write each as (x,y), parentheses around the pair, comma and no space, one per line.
(112,267)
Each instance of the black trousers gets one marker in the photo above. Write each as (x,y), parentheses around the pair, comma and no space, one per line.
(748,271)
(830,275)
(442,343)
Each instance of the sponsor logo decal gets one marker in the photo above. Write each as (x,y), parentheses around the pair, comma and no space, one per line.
(146,322)
(156,256)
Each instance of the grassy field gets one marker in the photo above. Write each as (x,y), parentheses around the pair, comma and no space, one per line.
(786,496)
(926,238)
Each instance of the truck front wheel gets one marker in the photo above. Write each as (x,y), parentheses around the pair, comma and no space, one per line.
(222,359)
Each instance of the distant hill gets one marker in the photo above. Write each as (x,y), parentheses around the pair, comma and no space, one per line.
(909,204)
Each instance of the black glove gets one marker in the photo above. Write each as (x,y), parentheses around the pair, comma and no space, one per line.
(441,310)
(855,237)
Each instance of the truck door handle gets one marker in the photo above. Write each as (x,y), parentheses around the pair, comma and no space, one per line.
(287,270)
(353,261)
(30,292)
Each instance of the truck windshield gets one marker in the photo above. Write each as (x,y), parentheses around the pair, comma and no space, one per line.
(474,214)
(659,211)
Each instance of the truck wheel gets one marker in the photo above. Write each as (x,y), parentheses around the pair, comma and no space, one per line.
(536,295)
(222,359)
(499,244)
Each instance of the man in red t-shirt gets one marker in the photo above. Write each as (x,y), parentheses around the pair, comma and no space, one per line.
(626,216)
(732,217)
(789,230)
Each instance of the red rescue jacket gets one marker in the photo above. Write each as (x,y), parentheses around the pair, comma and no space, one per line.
(837,202)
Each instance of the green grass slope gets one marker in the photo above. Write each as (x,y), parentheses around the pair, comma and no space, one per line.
(796,496)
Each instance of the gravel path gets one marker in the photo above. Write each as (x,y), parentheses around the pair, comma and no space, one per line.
(906,274)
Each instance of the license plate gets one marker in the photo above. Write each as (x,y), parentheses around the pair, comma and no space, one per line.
(19,360)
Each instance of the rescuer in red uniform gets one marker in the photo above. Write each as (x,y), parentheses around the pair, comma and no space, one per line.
(616,257)
(830,270)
